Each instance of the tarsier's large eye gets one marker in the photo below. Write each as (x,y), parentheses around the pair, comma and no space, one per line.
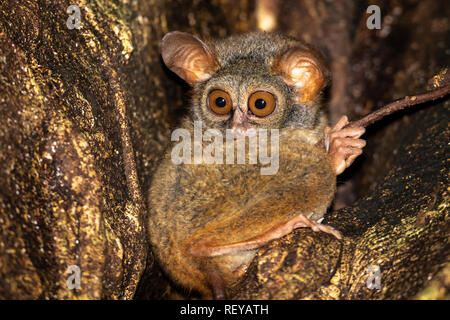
(220,101)
(261,103)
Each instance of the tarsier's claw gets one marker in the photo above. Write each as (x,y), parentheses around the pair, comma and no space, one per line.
(343,145)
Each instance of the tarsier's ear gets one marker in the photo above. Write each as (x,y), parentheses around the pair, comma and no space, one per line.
(188,56)
(304,70)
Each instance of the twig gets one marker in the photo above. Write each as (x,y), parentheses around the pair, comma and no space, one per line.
(399,105)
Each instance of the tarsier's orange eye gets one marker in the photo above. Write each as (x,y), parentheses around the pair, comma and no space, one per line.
(261,103)
(220,101)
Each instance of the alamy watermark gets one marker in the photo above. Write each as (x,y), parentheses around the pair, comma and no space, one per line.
(374,279)
(374,20)
(190,151)
(74,20)
(74,280)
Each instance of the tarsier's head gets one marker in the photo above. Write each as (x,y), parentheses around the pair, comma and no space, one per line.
(257,80)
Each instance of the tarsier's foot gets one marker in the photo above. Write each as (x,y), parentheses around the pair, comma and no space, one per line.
(343,145)
(302,221)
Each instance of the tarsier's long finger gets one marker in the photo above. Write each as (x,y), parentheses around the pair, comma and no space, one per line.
(348,142)
(339,131)
(339,166)
(343,144)
(348,132)
(350,160)
(342,122)
(339,159)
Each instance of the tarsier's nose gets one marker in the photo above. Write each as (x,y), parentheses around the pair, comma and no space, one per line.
(239,123)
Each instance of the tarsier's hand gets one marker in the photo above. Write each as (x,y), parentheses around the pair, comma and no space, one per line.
(343,145)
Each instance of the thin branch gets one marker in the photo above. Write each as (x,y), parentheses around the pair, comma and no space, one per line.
(399,105)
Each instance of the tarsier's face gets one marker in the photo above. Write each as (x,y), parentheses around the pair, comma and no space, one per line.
(254,83)
(243,96)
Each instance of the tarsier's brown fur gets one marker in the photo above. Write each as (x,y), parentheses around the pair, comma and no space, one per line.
(206,221)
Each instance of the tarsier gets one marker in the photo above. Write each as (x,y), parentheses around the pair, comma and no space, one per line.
(207,221)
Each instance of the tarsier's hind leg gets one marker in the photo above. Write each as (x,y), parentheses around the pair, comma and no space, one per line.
(343,145)
(203,248)
(207,248)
